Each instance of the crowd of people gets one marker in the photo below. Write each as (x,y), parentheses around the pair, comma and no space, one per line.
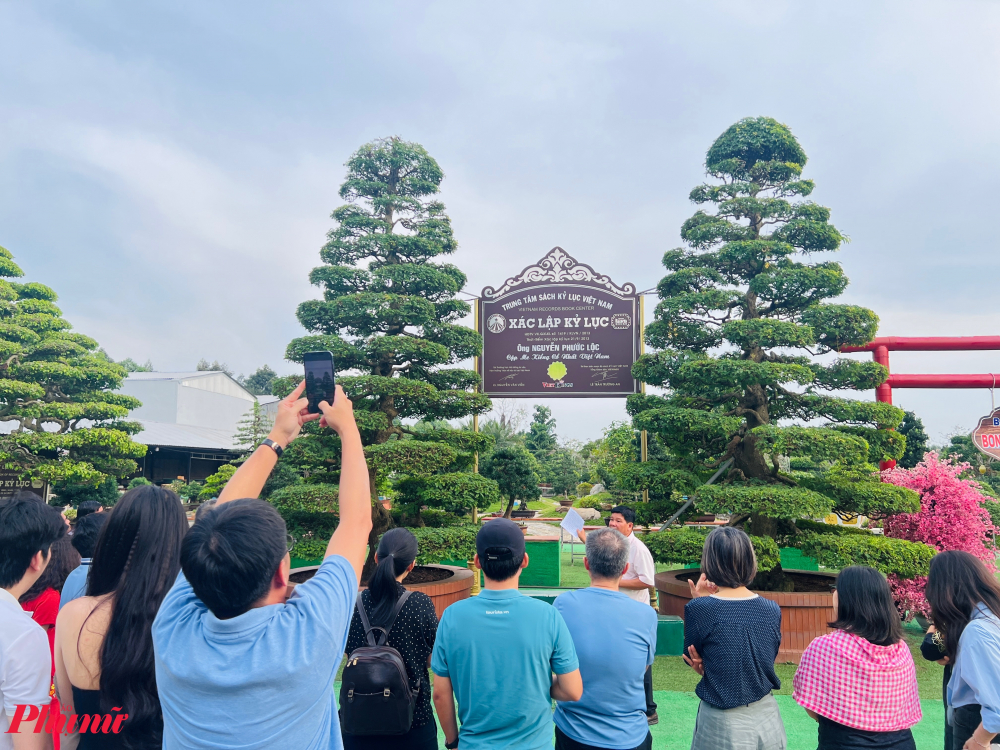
(137,631)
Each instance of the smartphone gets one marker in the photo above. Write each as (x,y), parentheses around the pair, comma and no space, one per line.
(320,379)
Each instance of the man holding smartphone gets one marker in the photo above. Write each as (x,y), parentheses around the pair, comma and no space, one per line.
(238,663)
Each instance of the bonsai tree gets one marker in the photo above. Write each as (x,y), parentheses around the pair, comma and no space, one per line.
(391,318)
(512,469)
(951,516)
(742,307)
(58,390)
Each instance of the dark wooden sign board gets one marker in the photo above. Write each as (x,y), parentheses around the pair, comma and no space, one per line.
(11,482)
(559,329)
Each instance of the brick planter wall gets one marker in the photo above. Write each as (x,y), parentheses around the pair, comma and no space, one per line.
(803,616)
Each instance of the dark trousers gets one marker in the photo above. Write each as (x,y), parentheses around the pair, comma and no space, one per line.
(647,685)
(565,743)
(964,719)
(834,736)
(418,738)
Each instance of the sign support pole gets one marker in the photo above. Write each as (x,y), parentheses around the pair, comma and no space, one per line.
(643,437)
(475,417)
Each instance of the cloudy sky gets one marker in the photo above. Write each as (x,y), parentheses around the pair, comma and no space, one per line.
(169,167)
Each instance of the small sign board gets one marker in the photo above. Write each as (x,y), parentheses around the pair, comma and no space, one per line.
(11,482)
(559,329)
(986,436)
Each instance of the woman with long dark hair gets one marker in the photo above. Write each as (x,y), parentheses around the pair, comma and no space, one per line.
(965,606)
(104,647)
(859,682)
(412,635)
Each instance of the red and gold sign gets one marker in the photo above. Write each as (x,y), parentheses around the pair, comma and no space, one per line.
(986,436)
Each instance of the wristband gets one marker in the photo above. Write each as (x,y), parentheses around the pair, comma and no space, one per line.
(452,745)
(273,446)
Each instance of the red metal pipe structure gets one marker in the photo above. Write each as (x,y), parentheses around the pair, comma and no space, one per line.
(881,347)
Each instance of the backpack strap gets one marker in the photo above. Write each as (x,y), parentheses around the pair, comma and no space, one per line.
(370,631)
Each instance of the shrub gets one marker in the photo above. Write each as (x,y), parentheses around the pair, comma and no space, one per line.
(583,489)
(310,549)
(594,501)
(138,482)
(439,519)
(455,543)
(683,547)
(652,513)
(951,516)
(315,498)
(893,557)
(215,482)
(305,525)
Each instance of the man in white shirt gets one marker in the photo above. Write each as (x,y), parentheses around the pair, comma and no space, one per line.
(636,581)
(28,527)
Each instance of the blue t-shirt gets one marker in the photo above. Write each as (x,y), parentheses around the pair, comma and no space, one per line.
(738,640)
(500,649)
(261,680)
(75,585)
(615,639)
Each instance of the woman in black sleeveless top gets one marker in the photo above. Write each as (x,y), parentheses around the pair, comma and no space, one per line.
(412,635)
(104,643)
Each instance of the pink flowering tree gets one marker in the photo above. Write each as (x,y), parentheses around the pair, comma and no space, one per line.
(951,516)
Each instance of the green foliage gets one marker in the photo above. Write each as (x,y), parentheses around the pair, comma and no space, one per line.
(259,382)
(455,492)
(215,366)
(215,482)
(106,493)
(905,559)
(306,525)
(511,468)
(683,546)
(594,501)
(439,519)
(251,431)
(186,491)
(138,482)
(435,545)
(583,489)
(390,315)
(561,469)
(916,444)
(310,549)
(541,436)
(742,308)
(130,365)
(313,498)
(59,390)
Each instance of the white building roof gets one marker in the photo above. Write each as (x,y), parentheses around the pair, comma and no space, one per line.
(184,436)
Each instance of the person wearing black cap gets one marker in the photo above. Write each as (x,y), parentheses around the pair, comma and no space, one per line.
(503,655)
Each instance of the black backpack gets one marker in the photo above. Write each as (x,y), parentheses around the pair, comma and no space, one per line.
(375,692)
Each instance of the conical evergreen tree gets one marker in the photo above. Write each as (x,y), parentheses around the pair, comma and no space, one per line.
(391,318)
(739,307)
(57,389)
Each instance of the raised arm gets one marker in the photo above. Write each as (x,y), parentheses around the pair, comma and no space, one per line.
(249,479)
(351,537)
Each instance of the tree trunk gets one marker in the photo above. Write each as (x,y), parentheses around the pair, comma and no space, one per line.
(510,507)
(763,526)
(381,523)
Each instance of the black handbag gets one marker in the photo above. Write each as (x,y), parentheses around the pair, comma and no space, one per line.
(375,692)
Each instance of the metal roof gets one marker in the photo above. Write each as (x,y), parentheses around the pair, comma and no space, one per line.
(183,436)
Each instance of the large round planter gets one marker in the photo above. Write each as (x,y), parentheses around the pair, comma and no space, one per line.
(803,616)
(447,591)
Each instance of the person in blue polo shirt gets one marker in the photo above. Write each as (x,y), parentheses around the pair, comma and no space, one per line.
(615,639)
(503,655)
(239,663)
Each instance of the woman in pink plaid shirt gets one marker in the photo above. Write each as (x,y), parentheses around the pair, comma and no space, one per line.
(859,681)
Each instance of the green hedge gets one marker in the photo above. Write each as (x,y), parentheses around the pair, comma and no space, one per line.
(683,547)
(312,549)
(304,525)
(906,559)
(594,501)
(455,543)
(315,498)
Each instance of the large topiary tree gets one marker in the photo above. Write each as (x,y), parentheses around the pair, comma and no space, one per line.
(56,391)
(742,307)
(391,318)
